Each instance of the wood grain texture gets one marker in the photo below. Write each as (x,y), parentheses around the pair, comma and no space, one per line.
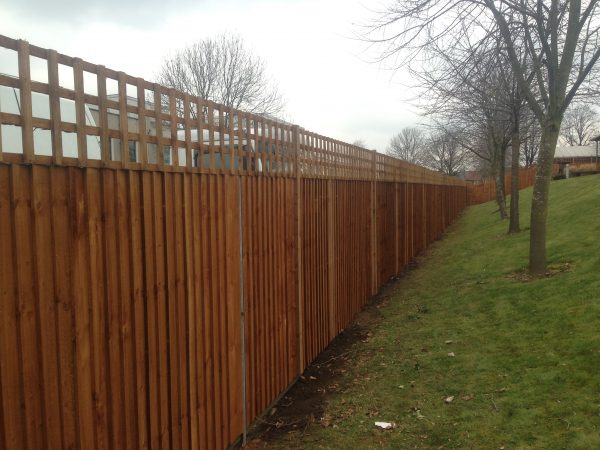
(120,294)
(142,347)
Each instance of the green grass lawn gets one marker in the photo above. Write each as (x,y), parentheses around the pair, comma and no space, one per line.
(526,370)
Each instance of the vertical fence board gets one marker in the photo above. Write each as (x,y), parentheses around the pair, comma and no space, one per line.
(331,202)
(262,296)
(45,287)
(292,290)
(308,269)
(263,311)
(65,315)
(139,318)
(126,317)
(279,273)
(191,280)
(181,301)
(116,402)
(215,317)
(159,244)
(209,323)
(28,321)
(150,293)
(250,329)
(199,376)
(79,287)
(223,307)
(98,312)
(171,307)
(11,380)
(232,256)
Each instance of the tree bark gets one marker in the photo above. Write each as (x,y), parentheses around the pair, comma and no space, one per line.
(539,202)
(514,226)
(500,193)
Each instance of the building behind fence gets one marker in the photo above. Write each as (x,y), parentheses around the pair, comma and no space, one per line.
(168,265)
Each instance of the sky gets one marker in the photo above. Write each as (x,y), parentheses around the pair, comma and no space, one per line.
(328,77)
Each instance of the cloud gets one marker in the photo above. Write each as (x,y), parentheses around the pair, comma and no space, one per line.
(306,44)
(132,13)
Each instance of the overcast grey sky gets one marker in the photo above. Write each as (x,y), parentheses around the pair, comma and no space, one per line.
(308,45)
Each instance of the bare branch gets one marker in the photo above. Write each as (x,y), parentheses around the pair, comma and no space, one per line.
(221,69)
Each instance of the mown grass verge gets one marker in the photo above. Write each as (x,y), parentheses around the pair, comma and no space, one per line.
(525,370)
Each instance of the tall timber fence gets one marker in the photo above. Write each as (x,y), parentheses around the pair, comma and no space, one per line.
(169,266)
(485,190)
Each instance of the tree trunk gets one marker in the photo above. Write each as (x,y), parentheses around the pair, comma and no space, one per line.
(539,202)
(500,193)
(514,226)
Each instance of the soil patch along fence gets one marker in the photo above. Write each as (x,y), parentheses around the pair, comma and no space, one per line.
(168,266)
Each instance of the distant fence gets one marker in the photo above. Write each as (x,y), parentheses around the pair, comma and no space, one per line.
(485,190)
(168,265)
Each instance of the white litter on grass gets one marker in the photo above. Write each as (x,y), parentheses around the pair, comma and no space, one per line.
(385,425)
(451,355)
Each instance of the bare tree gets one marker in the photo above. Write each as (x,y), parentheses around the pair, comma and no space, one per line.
(437,148)
(408,145)
(579,124)
(444,152)
(469,94)
(514,225)
(518,111)
(359,143)
(223,70)
(561,39)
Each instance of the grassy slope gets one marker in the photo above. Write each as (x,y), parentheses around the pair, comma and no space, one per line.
(528,352)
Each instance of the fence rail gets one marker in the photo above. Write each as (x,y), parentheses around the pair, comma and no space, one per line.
(111,119)
(168,265)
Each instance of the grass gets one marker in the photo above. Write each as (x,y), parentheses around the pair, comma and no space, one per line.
(526,370)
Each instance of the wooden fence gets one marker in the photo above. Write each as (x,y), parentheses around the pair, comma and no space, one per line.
(169,266)
(485,190)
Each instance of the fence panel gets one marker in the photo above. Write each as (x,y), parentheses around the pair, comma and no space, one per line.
(144,345)
(485,190)
(386,230)
(316,301)
(171,265)
(271,315)
(352,250)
